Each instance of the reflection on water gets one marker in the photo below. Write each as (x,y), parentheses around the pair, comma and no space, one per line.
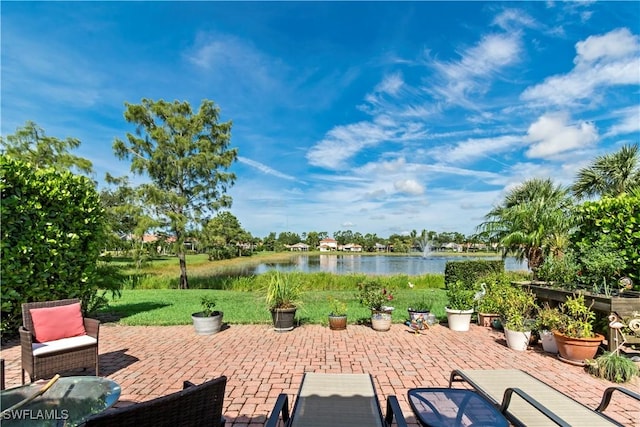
(373,265)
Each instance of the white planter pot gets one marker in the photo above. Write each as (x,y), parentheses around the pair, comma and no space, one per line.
(517,340)
(207,325)
(548,341)
(459,320)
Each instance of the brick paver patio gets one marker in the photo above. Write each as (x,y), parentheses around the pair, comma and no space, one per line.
(260,363)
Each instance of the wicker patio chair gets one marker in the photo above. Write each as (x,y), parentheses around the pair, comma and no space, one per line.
(195,405)
(45,359)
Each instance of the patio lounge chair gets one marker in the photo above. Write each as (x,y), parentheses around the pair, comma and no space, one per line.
(54,337)
(329,400)
(194,406)
(527,401)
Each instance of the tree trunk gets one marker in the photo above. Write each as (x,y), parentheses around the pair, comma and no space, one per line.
(184,283)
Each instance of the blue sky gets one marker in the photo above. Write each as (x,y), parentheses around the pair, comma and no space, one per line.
(374,117)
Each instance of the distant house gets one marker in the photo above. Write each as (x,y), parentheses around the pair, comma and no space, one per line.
(451,246)
(351,247)
(301,247)
(328,244)
(380,247)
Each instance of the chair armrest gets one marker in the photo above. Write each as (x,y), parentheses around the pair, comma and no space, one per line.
(26,338)
(393,409)
(506,400)
(282,405)
(606,396)
(92,326)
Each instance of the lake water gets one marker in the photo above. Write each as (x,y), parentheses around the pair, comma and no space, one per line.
(372,264)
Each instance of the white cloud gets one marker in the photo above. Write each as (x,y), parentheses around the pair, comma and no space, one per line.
(265,169)
(513,19)
(473,149)
(619,43)
(602,61)
(391,84)
(343,142)
(470,75)
(629,122)
(551,134)
(409,186)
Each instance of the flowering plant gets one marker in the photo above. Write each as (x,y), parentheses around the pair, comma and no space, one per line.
(374,296)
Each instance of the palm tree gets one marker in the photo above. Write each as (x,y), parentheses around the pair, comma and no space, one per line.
(610,175)
(532,222)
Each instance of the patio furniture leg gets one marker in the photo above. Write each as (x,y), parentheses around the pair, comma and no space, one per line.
(606,396)
(281,406)
(393,409)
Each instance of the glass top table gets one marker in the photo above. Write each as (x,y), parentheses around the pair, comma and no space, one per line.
(453,407)
(68,402)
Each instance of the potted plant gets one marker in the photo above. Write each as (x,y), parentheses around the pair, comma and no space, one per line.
(419,311)
(338,314)
(575,337)
(517,312)
(613,367)
(283,293)
(375,296)
(548,319)
(460,306)
(488,304)
(208,321)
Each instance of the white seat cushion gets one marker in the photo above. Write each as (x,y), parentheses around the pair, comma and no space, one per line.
(41,348)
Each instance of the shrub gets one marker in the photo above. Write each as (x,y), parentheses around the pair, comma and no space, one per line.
(469,271)
(619,218)
(52,233)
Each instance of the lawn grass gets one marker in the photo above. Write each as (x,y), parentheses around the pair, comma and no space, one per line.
(174,306)
(150,296)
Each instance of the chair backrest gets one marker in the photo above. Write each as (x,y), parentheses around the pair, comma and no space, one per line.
(196,405)
(26,314)
(337,399)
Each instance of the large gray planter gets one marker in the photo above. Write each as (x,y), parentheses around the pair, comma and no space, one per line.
(207,325)
(283,319)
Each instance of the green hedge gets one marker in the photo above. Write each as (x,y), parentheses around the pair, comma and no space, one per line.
(468,271)
(52,231)
(615,221)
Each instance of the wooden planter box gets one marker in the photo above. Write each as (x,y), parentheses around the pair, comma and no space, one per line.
(623,306)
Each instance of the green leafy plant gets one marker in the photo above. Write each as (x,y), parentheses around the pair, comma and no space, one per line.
(424,304)
(517,309)
(559,270)
(338,306)
(602,265)
(495,286)
(460,296)
(283,290)
(613,367)
(549,318)
(208,304)
(578,317)
(374,295)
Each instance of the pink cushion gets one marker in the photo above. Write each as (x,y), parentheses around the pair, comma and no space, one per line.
(54,323)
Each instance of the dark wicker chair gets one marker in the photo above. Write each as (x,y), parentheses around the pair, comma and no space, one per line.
(48,364)
(196,405)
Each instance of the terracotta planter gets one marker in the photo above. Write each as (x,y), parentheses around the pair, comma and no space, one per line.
(337,323)
(486,319)
(381,320)
(283,319)
(577,349)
